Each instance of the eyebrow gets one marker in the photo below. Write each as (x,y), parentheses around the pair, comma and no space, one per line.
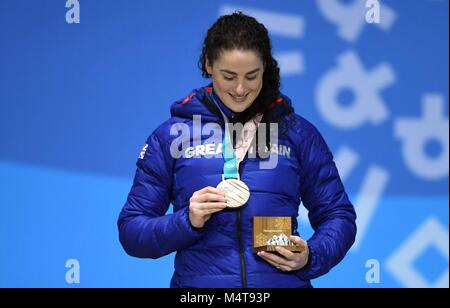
(233,73)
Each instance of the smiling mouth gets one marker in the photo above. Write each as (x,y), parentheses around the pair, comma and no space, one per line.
(238,99)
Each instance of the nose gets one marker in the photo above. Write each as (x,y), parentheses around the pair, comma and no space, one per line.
(240,91)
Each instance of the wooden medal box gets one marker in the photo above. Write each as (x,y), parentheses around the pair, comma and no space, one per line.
(268,227)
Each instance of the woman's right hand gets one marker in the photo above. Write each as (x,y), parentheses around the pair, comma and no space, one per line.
(204,203)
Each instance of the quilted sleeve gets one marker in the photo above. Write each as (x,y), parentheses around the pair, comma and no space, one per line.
(145,231)
(331,213)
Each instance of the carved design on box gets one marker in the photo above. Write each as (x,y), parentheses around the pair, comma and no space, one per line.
(282,224)
(269,232)
(261,238)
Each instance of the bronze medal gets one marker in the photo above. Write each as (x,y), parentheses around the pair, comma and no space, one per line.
(236,191)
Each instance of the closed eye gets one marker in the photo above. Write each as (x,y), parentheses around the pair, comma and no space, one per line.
(231,78)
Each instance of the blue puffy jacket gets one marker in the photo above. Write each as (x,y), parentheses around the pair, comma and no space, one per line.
(220,254)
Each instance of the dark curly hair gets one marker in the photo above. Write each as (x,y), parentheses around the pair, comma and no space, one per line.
(240,31)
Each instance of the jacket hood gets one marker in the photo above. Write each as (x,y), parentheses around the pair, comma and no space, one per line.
(197,103)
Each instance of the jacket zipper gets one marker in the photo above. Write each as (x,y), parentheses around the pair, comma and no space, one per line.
(241,250)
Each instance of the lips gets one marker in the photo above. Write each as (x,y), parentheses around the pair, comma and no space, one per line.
(238,99)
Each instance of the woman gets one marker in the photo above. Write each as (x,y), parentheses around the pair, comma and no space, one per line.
(188,167)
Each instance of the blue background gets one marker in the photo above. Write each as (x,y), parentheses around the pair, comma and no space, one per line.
(77,102)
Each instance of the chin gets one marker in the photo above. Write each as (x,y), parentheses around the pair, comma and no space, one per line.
(238,109)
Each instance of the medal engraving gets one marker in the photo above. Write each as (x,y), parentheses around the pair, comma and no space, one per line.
(236,191)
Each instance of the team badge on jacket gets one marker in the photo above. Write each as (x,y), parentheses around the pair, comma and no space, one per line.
(144,149)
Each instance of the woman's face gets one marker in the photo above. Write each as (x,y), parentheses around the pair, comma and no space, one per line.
(237,78)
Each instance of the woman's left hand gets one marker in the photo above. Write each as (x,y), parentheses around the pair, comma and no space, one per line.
(286,260)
